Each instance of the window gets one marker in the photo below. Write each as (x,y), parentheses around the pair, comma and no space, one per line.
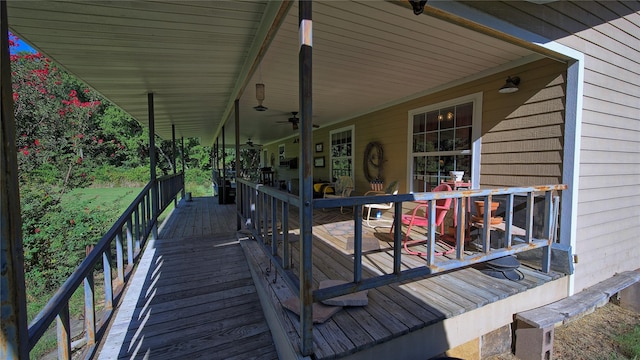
(341,152)
(443,141)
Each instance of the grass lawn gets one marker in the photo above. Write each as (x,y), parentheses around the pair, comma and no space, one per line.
(104,196)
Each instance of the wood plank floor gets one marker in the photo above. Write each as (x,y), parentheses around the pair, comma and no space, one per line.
(192,295)
(393,310)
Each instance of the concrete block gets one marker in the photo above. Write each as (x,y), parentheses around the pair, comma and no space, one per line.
(468,351)
(496,342)
(534,343)
(630,298)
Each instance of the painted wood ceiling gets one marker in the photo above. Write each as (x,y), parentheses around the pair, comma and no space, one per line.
(197,57)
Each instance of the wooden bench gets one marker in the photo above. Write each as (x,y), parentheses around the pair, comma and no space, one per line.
(534,334)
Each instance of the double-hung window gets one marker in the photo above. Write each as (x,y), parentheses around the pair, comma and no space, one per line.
(444,138)
(341,151)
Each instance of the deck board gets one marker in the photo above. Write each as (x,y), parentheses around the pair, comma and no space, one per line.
(196,297)
(192,295)
(393,310)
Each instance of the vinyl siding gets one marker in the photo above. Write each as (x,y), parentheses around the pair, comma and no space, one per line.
(608,33)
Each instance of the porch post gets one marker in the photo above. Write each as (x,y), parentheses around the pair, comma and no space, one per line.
(173,148)
(237,116)
(14,337)
(183,174)
(221,189)
(217,164)
(306,180)
(152,166)
(173,158)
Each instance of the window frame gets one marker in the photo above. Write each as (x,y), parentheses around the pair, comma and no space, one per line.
(476,136)
(352,129)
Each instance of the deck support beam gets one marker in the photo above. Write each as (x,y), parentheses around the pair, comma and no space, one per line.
(306,177)
(14,339)
(152,166)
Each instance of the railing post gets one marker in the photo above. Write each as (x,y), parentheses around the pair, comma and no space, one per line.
(130,251)
(120,256)
(274,226)
(508,220)
(89,310)
(397,238)
(461,226)
(108,282)
(530,205)
(548,228)
(136,217)
(286,261)
(357,244)
(63,333)
(431,235)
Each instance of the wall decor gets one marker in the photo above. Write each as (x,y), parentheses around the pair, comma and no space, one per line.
(318,161)
(319,147)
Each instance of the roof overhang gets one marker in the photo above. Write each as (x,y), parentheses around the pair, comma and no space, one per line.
(198,57)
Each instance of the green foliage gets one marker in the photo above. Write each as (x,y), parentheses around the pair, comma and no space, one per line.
(630,342)
(68,138)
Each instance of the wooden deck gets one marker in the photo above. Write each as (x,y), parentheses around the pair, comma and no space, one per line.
(192,295)
(393,311)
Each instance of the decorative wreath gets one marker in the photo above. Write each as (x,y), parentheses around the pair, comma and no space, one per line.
(370,161)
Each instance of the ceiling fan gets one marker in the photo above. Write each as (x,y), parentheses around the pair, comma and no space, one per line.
(294,121)
(250,143)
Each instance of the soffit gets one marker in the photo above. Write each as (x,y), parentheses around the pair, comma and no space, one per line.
(193,56)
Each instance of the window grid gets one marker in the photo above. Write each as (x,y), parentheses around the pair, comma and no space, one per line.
(441,143)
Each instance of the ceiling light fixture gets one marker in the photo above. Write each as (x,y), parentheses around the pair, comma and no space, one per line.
(260,98)
(510,86)
(418,6)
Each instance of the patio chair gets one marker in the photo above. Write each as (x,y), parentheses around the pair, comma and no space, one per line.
(343,188)
(415,219)
(392,189)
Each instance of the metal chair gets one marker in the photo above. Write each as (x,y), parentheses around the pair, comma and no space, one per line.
(342,188)
(415,219)
(392,189)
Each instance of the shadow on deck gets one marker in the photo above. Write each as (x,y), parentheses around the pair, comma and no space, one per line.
(192,295)
(413,319)
(195,294)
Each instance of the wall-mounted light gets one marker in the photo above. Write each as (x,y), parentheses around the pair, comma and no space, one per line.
(260,98)
(510,86)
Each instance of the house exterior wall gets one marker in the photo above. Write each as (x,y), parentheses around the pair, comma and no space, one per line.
(608,196)
(522,133)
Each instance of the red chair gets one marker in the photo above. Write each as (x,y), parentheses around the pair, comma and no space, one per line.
(414,219)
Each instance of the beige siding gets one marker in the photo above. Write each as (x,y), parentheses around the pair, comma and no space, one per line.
(607,32)
(521,132)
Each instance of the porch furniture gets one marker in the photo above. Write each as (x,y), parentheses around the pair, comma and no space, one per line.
(392,189)
(267,176)
(320,187)
(343,188)
(415,219)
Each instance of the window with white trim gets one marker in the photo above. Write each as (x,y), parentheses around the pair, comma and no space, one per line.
(443,141)
(341,152)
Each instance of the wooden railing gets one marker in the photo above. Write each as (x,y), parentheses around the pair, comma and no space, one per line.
(135,225)
(262,208)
